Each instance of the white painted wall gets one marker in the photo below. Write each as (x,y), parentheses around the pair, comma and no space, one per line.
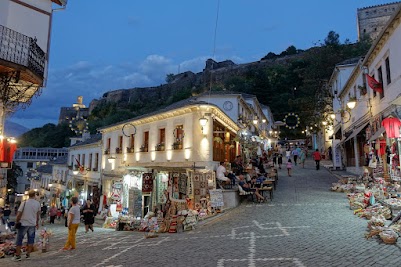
(28,21)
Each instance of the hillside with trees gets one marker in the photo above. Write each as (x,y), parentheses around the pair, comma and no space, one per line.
(287,82)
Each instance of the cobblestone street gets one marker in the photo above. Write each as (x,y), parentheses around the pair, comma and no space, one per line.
(304,225)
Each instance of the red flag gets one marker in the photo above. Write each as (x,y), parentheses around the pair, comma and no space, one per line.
(375,85)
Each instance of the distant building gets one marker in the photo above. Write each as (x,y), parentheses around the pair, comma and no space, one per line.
(371,20)
(76,111)
(29,158)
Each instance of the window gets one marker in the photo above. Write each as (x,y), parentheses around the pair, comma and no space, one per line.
(120,141)
(29,165)
(145,145)
(90,161)
(162,136)
(72,160)
(380,74)
(374,92)
(83,160)
(132,141)
(108,144)
(388,72)
(96,161)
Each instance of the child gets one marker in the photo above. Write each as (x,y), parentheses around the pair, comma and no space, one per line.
(280,160)
(289,167)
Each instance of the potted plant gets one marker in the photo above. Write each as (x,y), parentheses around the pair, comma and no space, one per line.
(107,151)
(362,89)
(130,149)
(177,144)
(144,148)
(160,147)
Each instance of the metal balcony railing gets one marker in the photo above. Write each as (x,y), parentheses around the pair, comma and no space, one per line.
(23,50)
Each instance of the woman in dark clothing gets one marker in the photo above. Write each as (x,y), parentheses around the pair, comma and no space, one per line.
(88,210)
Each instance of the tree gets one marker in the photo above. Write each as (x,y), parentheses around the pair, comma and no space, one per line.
(332,39)
(169,77)
(12,175)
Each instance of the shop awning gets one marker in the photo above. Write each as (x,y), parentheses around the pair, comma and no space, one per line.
(357,131)
(377,134)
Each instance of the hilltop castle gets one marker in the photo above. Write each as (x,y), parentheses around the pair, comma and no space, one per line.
(371,20)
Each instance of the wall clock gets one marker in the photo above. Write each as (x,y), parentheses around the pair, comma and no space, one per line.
(228,105)
(126,128)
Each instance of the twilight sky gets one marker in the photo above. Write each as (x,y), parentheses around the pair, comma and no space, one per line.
(126,43)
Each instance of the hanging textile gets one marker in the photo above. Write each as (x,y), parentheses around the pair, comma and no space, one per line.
(200,189)
(182,183)
(392,126)
(147,183)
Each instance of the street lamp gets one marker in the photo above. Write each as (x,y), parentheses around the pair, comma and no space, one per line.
(203,121)
(351,104)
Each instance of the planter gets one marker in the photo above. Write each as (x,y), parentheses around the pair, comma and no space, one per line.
(177,146)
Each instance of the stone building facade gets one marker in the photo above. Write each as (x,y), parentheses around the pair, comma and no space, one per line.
(371,20)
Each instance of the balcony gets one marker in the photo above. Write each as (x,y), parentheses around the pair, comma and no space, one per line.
(19,52)
(177,145)
(160,147)
(144,148)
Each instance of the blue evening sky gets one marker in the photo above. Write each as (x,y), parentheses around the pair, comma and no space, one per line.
(103,45)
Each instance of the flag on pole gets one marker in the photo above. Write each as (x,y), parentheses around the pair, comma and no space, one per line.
(375,85)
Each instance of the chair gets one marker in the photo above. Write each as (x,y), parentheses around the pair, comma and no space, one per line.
(243,193)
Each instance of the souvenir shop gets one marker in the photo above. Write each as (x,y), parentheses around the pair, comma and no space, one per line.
(376,195)
(166,199)
(383,150)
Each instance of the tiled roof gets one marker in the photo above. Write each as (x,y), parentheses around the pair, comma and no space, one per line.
(176,105)
(244,95)
(349,61)
(93,139)
(60,160)
(45,168)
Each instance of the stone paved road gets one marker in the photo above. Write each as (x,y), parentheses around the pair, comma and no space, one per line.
(304,225)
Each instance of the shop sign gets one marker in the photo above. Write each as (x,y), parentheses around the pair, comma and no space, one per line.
(216,198)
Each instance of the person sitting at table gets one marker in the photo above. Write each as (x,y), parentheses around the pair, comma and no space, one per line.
(247,188)
(238,163)
(221,173)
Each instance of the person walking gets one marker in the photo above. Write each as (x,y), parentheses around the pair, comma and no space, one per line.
(295,154)
(88,210)
(28,217)
(288,153)
(289,167)
(302,158)
(43,214)
(280,160)
(74,217)
(317,157)
(52,213)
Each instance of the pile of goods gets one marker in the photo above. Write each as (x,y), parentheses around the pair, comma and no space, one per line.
(375,200)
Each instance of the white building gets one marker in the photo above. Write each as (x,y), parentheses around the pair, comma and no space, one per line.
(30,158)
(84,159)
(363,131)
(25,30)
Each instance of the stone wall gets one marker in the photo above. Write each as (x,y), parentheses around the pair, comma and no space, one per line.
(371,20)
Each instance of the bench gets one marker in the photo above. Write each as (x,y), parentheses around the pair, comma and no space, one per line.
(244,194)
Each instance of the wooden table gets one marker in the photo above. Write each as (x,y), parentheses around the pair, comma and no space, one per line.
(266,189)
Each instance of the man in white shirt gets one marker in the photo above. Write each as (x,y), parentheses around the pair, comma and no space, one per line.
(221,173)
(28,215)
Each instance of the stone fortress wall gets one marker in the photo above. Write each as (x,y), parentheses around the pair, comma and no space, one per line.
(371,20)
